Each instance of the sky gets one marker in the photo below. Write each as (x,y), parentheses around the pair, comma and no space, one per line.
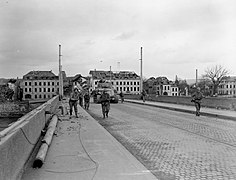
(177,36)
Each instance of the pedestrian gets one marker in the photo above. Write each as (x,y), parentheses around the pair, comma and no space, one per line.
(197,98)
(74,97)
(81,96)
(143,95)
(105,102)
(86,100)
(121,97)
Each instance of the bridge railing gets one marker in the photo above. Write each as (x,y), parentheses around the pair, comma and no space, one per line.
(18,140)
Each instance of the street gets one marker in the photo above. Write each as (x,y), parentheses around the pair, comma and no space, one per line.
(171,144)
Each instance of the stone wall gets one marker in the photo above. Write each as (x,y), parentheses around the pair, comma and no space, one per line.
(16,145)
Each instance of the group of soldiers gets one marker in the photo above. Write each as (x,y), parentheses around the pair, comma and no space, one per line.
(81,96)
(78,95)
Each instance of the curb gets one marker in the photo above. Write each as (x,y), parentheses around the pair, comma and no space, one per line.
(187,111)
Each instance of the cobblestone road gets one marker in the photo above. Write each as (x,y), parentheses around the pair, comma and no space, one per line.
(174,145)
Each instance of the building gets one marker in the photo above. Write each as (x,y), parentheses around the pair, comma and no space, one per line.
(161,86)
(227,87)
(126,81)
(40,85)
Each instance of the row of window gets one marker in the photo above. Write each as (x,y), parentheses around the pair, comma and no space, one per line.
(227,92)
(227,86)
(129,89)
(168,88)
(41,83)
(122,83)
(41,89)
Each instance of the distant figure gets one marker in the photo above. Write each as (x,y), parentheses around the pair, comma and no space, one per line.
(143,95)
(197,98)
(81,98)
(105,102)
(86,100)
(121,97)
(74,97)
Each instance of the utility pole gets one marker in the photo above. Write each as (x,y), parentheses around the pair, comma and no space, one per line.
(110,74)
(60,76)
(196,77)
(141,70)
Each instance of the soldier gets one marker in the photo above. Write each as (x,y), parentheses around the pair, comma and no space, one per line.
(105,101)
(197,98)
(143,95)
(74,97)
(86,100)
(121,97)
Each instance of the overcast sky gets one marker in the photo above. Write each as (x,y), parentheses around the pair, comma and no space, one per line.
(177,36)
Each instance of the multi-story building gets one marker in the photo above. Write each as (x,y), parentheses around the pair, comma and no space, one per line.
(126,81)
(161,86)
(227,87)
(40,85)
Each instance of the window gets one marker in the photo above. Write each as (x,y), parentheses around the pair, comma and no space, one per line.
(44,89)
(124,89)
(134,83)
(48,83)
(52,83)
(35,96)
(128,83)
(40,90)
(29,89)
(117,83)
(96,83)
(25,83)
(138,83)
(58,83)
(44,96)
(117,88)
(40,96)
(25,89)
(35,89)
(29,83)
(44,83)
(120,88)
(137,88)
(35,83)
(127,88)
(120,82)
(124,83)
(40,84)
(134,88)
(131,88)
(131,83)
(52,89)
(48,89)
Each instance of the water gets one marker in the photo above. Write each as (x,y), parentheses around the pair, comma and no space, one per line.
(4,122)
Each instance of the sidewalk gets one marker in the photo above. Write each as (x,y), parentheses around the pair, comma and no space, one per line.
(224,114)
(83,149)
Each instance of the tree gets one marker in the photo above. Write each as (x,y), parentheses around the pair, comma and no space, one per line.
(216,74)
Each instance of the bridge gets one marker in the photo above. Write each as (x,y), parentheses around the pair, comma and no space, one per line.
(81,148)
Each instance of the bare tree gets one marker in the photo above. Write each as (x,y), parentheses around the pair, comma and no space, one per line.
(216,74)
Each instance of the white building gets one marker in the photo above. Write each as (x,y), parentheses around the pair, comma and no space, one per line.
(126,81)
(227,87)
(40,85)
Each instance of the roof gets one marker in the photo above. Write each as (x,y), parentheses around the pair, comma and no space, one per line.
(39,75)
(113,75)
